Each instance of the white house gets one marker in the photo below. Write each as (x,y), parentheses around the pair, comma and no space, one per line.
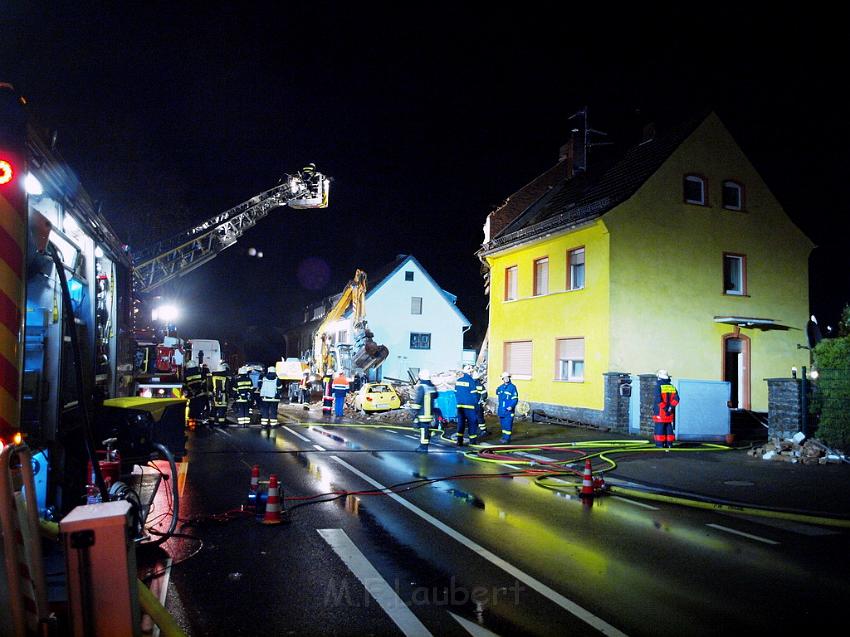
(415,318)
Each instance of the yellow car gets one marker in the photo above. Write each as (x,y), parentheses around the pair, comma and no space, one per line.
(376,397)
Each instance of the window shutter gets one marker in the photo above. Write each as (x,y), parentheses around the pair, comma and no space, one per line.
(518,358)
(571,349)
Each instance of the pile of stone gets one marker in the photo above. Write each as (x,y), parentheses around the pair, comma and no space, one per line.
(795,450)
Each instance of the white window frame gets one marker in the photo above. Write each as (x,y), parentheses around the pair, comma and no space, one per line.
(420,334)
(570,361)
(541,265)
(742,270)
(697,179)
(731,183)
(511,283)
(413,305)
(508,361)
(571,269)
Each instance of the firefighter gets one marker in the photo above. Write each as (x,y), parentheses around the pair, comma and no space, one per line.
(508,398)
(244,390)
(304,388)
(220,391)
(423,403)
(467,401)
(666,399)
(327,395)
(340,390)
(270,392)
(481,400)
(196,390)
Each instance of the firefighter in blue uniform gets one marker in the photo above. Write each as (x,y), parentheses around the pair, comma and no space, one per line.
(270,392)
(666,399)
(340,390)
(423,404)
(220,391)
(508,398)
(481,400)
(244,390)
(467,402)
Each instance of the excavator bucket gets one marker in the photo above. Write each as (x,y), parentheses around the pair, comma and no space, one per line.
(316,195)
(370,356)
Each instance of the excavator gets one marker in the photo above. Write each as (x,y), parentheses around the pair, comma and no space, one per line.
(363,353)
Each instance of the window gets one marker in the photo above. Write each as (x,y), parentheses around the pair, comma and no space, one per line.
(420,341)
(518,358)
(734,274)
(570,357)
(576,270)
(342,337)
(511,283)
(416,305)
(733,195)
(408,275)
(695,190)
(541,276)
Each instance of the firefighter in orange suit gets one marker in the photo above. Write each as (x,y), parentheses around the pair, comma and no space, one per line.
(666,399)
(340,389)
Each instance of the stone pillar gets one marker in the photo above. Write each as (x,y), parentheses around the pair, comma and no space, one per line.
(616,410)
(784,407)
(647,404)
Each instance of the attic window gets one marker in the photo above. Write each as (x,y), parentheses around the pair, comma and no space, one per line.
(694,190)
(733,195)
(408,275)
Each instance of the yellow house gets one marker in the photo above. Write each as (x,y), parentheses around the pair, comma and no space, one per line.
(675,256)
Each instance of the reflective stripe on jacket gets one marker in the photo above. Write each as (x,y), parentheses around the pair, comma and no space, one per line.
(508,398)
(465,391)
(666,398)
(426,393)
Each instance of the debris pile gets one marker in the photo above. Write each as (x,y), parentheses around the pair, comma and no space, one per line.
(795,450)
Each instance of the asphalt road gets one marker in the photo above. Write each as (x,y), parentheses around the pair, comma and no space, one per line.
(478,554)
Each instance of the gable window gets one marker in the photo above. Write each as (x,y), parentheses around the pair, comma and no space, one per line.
(570,357)
(694,190)
(541,276)
(518,358)
(511,283)
(575,258)
(342,337)
(735,274)
(408,276)
(420,341)
(733,195)
(416,305)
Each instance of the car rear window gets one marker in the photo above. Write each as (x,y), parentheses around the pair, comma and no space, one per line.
(378,389)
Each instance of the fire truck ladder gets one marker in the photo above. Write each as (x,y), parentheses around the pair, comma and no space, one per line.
(188,250)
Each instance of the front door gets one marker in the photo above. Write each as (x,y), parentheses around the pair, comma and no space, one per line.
(736,354)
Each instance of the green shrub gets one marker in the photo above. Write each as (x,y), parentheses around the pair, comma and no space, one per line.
(832,396)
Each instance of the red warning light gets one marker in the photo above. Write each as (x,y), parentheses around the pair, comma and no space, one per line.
(6,172)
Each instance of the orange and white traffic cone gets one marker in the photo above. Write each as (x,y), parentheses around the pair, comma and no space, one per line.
(272,515)
(255,478)
(587,481)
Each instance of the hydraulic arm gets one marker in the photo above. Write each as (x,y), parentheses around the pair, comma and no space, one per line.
(184,252)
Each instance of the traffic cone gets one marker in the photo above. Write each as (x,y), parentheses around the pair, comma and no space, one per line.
(255,477)
(599,484)
(272,515)
(587,481)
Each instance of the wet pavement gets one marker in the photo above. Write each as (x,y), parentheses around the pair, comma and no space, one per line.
(480,546)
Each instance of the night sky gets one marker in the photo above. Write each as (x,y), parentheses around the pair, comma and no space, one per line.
(426,115)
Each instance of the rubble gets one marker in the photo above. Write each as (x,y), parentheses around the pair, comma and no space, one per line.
(794,450)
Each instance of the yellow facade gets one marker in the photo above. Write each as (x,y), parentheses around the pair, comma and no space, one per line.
(654,269)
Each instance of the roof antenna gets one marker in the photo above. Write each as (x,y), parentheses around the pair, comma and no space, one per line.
(583,133)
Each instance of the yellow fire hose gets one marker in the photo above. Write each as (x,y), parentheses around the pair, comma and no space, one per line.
(147,600)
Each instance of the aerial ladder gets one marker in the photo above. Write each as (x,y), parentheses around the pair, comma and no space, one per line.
(179,255)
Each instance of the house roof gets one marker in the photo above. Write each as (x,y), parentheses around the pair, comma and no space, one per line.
(588,196)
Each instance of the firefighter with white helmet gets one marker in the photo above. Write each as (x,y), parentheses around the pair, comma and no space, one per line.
(270,392)
(244,390)
(467,402)
(340,389)
(666,399)
(423,404)
(508,399)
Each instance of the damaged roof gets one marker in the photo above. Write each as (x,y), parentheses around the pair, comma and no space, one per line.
(588,196)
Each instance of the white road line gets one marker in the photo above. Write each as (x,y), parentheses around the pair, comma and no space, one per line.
(376,585)
(742,534)
(219,429)
(533,456)
(391,431)
(295,433)
(409,436)
(319,447)
(472,628)
(551,594)
(637,504)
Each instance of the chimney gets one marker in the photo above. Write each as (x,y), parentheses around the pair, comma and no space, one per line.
(574,154)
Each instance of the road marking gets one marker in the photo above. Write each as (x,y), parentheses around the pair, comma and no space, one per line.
(788,525)
(472,628)
(533,456)
(637,504)
(391,431)
(742,534)
(409,436)
(295,433)
(319,447)
(224,431)
(551,594)
(376,585)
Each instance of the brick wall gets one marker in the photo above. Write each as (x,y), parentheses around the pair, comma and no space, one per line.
(784,411)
